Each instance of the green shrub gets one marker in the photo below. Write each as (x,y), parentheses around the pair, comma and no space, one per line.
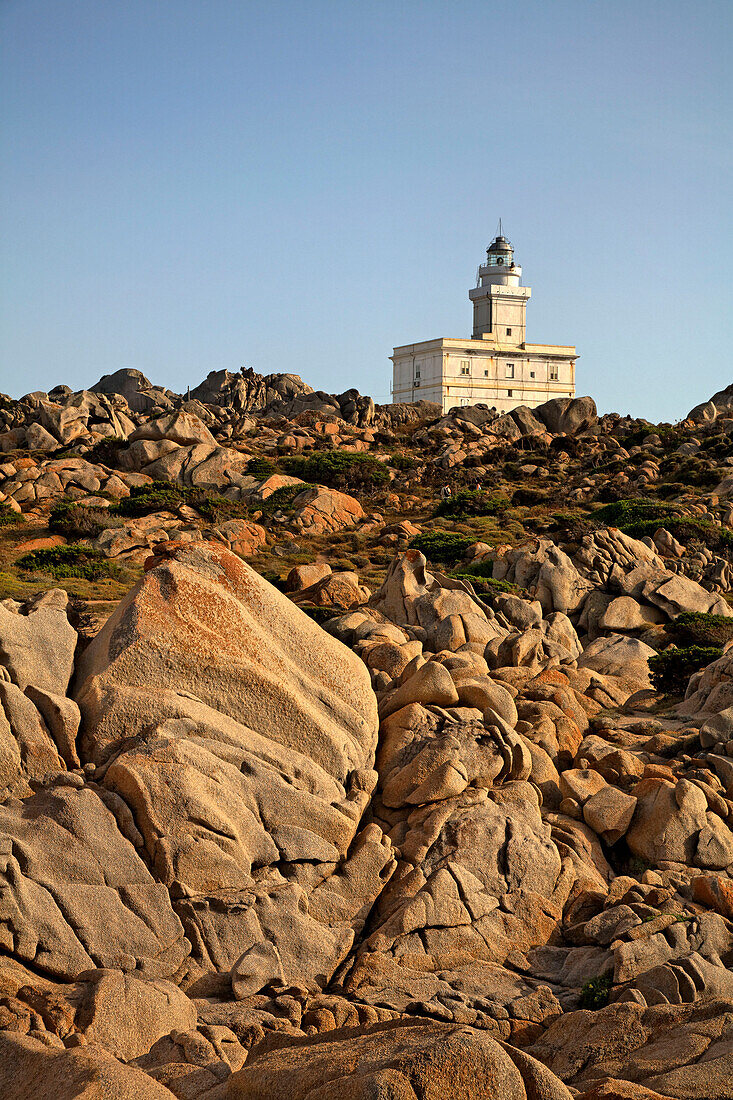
(486,585)
(161,496)
(573,525)
(80,521)
(700,472)
(106,452)
(9,518)
(74,560)
(671,670)
(340,470)
(622,513)
(281,500)
(216,509)
(401,461)
(595,992)
(641,517)
(684,528)
(699,628)
(261,468)
(473,502)
(442,546)
(483,569)
(668,489)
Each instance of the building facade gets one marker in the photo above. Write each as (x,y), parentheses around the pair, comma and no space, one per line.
(496,366)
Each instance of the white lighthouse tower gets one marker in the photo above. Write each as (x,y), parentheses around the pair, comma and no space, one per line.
(499,302)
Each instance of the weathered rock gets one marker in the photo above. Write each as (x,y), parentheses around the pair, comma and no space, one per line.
(624,613)
(244,538)
(34,1069)
(625,659)
(76,895)
(37,642)
(335,590)
(674,1051)
(319,510)
(398,1060)
(27,753)
(254,738)
(667,821)
(609,813)
(126,1015)
(432,683)
(567,415)
(182,428)
(303,576)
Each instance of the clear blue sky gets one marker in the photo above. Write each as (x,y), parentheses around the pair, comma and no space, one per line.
(300,185)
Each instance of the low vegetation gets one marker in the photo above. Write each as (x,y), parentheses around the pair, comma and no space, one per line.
(343,470)
(261,468)
(595,993)
(672,668)
(446,547)
(72,560)
(697,628)
(9,518)
(473,502)
(161,496)
(80,521)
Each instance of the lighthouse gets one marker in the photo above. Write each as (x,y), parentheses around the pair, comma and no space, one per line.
(495,366)
(499,299)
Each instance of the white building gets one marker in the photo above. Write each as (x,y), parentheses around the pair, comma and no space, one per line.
(496,366)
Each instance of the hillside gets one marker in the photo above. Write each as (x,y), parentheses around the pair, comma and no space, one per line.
(364,751)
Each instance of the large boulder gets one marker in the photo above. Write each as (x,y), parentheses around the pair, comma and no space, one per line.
(183,428)
(127,381)
(446,610)
(31,1069)
(249,391)
(320,511)
(567,415)
(397,1060)
(720,404)
(636,1052)
(37,642)
(617,655)
(243,740)
(546,572)
(710,691)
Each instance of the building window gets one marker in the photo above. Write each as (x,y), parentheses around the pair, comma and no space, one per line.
(510,370)
(416,384)
(417,372)
(531,374)
(465,366)
(553,374)
(510,393)
(464,401)
(486,374)
(508,332)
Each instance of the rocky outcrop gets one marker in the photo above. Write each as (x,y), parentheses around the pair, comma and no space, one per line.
(404,1060)
(244,745)
(719,405)
(454,843)
(248,391)
(320,511)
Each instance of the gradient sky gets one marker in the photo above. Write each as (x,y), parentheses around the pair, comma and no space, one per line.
(300,185)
